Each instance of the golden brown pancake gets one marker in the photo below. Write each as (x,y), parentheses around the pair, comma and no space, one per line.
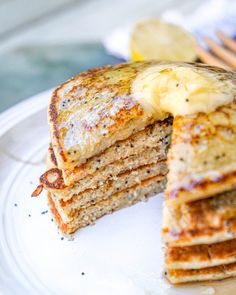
(92,111)
(202,157)
(201,256)
(201,222)
(178,276)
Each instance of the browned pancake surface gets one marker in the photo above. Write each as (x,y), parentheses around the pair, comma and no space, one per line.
(201,222)
(202,157)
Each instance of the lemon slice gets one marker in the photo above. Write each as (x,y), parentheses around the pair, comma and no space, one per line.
(155,39)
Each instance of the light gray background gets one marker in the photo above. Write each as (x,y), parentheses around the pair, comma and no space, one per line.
(42,43)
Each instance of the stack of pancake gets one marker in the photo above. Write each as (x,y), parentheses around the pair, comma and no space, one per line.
(199,218)
(106,152)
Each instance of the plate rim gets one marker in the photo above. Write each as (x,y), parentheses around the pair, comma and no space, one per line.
(17,113)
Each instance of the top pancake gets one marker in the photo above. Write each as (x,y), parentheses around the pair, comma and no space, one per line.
(92,111)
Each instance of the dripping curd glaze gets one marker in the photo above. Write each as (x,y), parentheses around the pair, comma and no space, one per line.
(181,90)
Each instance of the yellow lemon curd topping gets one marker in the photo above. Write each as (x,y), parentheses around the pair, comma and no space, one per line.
(182,90)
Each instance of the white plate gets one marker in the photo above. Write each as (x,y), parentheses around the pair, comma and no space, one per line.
(121,254)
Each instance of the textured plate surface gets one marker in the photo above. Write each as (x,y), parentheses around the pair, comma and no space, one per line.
(121,254)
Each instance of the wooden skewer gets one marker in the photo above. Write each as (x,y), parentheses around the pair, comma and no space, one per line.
(228,42)
(223,53)
(210,59)
(223,57)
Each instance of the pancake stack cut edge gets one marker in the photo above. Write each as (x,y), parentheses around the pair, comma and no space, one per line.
(107,153)
(199,216)
(112,180)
